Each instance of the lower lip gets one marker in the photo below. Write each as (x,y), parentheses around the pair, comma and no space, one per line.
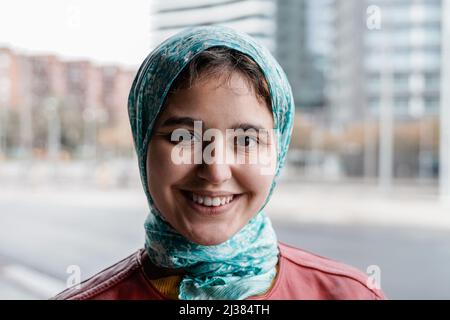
(211,211)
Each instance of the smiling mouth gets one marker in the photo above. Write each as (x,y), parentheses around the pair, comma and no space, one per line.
(210,201)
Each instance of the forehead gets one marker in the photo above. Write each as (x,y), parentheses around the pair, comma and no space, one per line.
(219,103)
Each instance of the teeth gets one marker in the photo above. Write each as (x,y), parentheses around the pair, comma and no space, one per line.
(209,201)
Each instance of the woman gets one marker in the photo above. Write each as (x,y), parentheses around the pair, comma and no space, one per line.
(202,94)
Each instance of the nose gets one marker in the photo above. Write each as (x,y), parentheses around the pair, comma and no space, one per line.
(215,170)
(214,173)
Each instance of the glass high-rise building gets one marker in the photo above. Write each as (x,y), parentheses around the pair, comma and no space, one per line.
(303,48)
(255,17)
(387,71)
(385,49)
(295,31)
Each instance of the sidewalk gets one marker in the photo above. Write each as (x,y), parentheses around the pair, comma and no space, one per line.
(357,203)
(20,282)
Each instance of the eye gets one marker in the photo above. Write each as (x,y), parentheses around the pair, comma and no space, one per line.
(188,138)
(246,141)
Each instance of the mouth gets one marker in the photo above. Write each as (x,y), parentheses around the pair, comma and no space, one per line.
(211,203)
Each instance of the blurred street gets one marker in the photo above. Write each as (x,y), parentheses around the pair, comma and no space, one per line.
(43,231)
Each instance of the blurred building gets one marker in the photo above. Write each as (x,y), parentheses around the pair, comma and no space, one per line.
(444,141)
(9,75)
(43,74)
(303,39)
(34,87)
(15,97)
(33,79)
(255,17)
(84,85)
(379,38)
(386,72)
(116,84)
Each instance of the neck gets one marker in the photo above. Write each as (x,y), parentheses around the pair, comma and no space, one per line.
(155,272)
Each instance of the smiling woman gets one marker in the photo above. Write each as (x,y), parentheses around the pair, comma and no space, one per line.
(207,204)
(207,236)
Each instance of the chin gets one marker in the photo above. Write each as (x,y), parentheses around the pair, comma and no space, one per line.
(210,240)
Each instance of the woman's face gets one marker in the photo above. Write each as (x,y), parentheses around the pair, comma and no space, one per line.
(208,201)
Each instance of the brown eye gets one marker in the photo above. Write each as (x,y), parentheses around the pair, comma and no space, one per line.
(246,141)
(188,139)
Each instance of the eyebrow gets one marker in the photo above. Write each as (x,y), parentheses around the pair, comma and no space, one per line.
(247,126)
(173,121)
(188,121)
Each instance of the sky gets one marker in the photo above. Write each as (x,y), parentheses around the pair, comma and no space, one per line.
(102,31)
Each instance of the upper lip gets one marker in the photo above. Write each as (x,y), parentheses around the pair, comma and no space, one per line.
(212,193)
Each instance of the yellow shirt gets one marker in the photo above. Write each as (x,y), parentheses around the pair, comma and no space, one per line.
(168,286)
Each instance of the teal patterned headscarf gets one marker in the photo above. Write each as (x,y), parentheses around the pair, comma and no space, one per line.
(245,264)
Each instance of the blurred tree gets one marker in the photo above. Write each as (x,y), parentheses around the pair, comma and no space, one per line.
(71,128)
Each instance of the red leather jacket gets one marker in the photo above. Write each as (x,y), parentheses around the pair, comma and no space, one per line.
(302,275)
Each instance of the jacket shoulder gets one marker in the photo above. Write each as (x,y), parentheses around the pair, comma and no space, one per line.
(334,279)
(102,281)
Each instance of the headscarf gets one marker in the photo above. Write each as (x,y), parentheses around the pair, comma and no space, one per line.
(245,264)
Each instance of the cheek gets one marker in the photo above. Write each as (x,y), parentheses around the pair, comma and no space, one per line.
(159,164)
(158,160)
(259,176)
(256,181)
